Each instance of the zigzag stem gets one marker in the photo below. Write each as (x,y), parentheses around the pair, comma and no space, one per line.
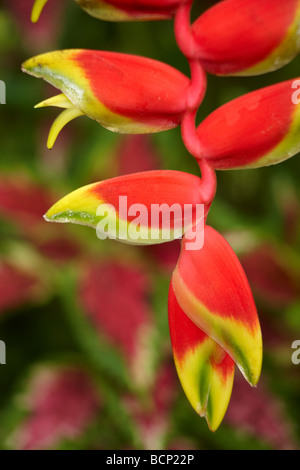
(186,44)
(183,32)
(193,145)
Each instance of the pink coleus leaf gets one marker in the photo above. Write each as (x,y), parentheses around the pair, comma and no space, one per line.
(17,286)
(122,10)
(143,208)
(212,289)
(247,37)
(261,414)
(124,93)
(42,35)
(23,201)
(136,154)
(258,129)
(114,297)
(205,370)
(270,276)
(61,402)
(152,415)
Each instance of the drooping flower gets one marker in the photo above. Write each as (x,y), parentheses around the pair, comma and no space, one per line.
(121,10)
(205,370)
(143,208)
(258,129)
(242,37)
(124,93)
(212,289)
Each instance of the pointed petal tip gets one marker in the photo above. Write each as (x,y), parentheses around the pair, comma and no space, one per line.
(52,216)
(49,216)
(37,10)
(29,66)
(213,425)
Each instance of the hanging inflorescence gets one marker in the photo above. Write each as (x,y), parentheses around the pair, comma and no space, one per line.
(212,315)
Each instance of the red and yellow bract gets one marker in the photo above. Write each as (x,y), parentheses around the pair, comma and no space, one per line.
(124,93)
(212,289)
(247,37)
(258,129)
(121,10)
(205,370)
(164,191)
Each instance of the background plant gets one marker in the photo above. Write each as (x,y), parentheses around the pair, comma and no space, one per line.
(258,211)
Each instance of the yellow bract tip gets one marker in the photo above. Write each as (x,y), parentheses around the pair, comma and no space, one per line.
(59,101)
(37,10)
(60,122)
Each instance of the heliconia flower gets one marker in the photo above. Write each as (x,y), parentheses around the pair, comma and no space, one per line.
(212,289)
(258,129)
(247,37)
(143,208)
(205,370)
(121,10)
(124,93)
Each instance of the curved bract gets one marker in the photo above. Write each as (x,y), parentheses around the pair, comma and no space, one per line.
(248,37)
(258,129)
(131,10)
(124,93)
(143,208)
(205,370)
(121,10)
(212,289)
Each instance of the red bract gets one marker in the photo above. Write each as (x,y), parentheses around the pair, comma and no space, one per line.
(205,370)
(242,37)
(258,129)
(130,10)
(122,10)
(143,208)
(212,289)
(212,314)
(124,93)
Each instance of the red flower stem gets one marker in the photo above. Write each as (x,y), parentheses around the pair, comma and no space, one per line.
(193,145)
(198,85)
(183,32)
(189,134)
(209,182)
